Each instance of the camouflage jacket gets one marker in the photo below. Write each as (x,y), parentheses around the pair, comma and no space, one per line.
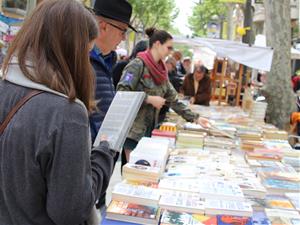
(136,77)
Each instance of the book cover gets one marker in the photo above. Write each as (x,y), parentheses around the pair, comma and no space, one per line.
(281,185)
(132,213)
(186,184)
(225,207)
(278,202)
(135,194)
(181,218)
(234,220)
(182,201)
(220,190)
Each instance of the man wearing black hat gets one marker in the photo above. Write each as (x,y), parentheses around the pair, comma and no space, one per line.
(113,19)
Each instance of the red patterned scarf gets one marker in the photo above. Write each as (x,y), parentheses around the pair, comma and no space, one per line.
(158,71)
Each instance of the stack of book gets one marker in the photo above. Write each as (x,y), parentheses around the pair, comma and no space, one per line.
(151,152)
(258,111)
(292,158)
(212,143)
(280,182)
(134,203)
(141,173)
(273,135)
(137,194)
(133,213)
(259,154)
(248,145)
(168,135)
(222,128)
(189,139)
(284,217)
(194,203)
(249,134)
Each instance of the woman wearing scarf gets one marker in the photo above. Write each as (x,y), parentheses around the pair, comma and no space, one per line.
(149,74)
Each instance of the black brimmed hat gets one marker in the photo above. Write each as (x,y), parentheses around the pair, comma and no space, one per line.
(119,10)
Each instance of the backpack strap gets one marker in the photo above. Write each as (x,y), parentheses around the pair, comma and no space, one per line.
(15,109)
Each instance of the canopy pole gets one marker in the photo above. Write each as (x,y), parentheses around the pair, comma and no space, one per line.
(238,97)
(223,74)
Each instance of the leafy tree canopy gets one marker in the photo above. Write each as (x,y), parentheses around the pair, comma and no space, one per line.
(203,13)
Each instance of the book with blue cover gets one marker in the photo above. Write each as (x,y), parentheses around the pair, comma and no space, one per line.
(260,218)
(279,186)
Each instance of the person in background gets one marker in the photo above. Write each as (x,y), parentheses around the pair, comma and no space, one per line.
(49,174)
(118,68)
(197,86)
(122,54)
(187,64)
(174,78)
(179,66)
(113,19)
(149,74)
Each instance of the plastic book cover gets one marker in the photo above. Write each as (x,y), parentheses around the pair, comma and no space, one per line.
(120,117)
(181,218)
(234,220)
(260,218)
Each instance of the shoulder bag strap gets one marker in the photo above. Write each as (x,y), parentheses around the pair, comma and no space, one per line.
(16,108)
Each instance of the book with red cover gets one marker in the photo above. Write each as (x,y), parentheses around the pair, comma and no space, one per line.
(161,133)
(234,220)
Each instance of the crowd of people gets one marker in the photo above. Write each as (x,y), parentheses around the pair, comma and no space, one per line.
(59,78)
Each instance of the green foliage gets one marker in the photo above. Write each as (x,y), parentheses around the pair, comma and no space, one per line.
(202,14)
(149,13)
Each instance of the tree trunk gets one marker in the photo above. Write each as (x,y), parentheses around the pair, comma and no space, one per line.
(279,93)
(248,22)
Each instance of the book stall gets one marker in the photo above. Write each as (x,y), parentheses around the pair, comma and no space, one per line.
(239,171)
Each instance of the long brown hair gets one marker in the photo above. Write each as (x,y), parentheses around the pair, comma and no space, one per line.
(55,38)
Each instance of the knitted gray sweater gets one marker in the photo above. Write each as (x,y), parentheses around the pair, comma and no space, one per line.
(48,174)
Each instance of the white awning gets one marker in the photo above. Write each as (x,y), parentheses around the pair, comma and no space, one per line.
(252,56)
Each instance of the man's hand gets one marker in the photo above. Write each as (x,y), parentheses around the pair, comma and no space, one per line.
(192,100)
(157,101)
